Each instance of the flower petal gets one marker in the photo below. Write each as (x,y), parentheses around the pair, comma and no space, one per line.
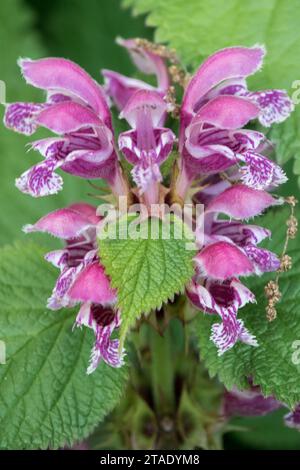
(248,403)
(263,260)
(161,146)
(275,105)
(232,62)
(67,117)
(103,320)
(120,88)
(226,112)
(92,285)
(21,117)
(59,297)
(66,223)
(144,177)
(147,62)
(242,202)
(222,260)
(144,101)
(41,180)
(239,233)
(229,331)
(57,74)
(260,172)
(224,299)
(292,419)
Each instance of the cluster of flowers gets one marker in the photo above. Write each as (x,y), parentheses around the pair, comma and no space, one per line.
(213,145)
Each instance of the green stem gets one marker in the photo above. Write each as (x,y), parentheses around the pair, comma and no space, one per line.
(162,371)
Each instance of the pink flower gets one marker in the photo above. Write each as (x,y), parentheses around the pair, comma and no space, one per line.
(214,146)
(229,250)
(120,88)
(82,278)
(76,110)
(148,144)
(216,105)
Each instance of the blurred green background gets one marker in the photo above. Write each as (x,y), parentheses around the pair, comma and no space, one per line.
(84,31)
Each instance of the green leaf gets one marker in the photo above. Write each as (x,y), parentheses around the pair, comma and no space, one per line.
(270,364)
(197,28)
(147,272)
(46,398)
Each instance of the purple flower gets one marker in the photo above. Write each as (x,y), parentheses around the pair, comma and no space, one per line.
(216,105)
(82,278)
(76,110)
(148,144)
(230,161)
(120,88)
(229,250)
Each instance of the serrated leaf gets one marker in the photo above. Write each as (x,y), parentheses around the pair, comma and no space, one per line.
(147,272)
(46,397)
(270,364)
(198,28)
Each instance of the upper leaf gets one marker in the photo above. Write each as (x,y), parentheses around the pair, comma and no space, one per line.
(147,271)
(46,398)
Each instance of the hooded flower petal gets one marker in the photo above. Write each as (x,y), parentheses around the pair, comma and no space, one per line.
(120,88)
(62,75)
(242,202)
(144,105)
(68,223)
(147,61)
(225,64)
(222,260)
(67,117)
(275,105)
(92,285)
(226,112)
